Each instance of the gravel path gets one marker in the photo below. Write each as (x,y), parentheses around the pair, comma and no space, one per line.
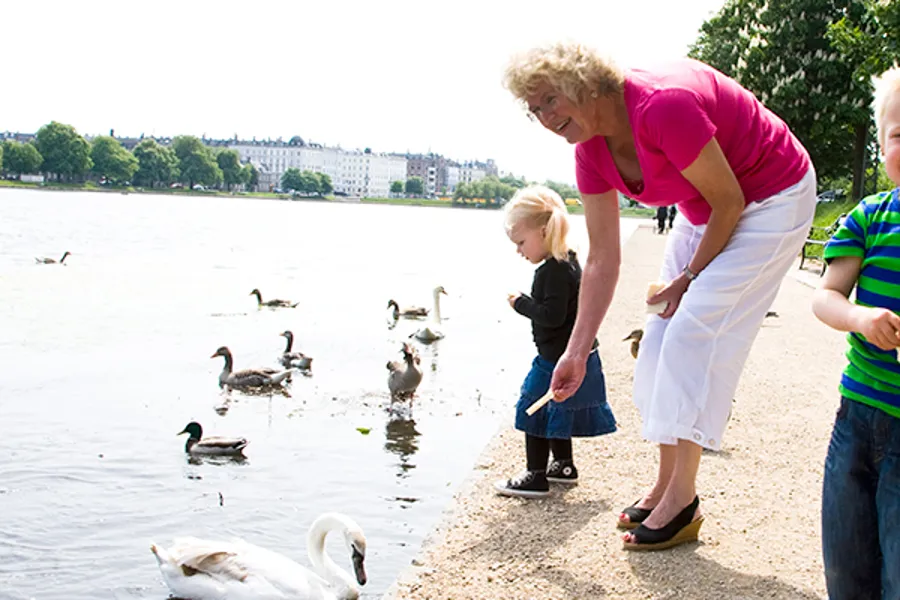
(760,494)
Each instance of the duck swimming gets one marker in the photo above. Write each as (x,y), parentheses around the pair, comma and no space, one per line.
(272,303)
(50,261)
(247,378)
(432,333)
(211,446)
(290,359)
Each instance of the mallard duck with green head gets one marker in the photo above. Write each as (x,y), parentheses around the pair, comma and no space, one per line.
(211,446)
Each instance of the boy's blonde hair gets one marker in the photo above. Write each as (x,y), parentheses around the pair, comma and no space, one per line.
(886,86)
(576,70)
(537,206)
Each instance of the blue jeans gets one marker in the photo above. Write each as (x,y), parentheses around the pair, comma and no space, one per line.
(861,505)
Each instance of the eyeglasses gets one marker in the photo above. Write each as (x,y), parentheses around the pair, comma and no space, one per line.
(549,104)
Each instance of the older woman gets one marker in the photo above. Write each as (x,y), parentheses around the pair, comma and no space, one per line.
(682,133)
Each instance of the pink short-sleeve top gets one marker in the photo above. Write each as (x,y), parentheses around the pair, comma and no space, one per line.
(674,111)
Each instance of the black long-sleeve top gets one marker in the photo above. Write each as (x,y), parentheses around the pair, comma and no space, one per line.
(552,305)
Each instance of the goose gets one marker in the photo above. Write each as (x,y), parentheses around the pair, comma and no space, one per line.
(407,312)
(217,446)
(237,570)
(293,359)
(405,375)
(50,261)
(636,336)
(272,303)
(248,378)
(429,334)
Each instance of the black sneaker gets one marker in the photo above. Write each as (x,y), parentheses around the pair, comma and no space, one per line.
(562,472)
(528,484)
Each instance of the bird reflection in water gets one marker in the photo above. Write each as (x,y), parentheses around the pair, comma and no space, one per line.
(400,439)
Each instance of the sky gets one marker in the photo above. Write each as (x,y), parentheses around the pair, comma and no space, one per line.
(391,75)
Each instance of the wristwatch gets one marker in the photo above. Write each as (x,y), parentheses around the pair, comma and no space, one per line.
(688,273)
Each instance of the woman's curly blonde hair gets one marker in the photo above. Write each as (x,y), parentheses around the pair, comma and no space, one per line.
(575,70)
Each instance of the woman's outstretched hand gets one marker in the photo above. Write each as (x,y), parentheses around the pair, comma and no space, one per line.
(567,376)
(672,294)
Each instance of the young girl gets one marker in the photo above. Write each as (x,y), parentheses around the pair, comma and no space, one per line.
(537,223)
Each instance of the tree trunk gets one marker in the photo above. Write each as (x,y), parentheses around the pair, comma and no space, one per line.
(859,162)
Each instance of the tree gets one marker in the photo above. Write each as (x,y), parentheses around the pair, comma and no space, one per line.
(229,162)
(564,190)
(195,162)
(292,180)
(396,187)
(415,186)
(796,71)
(111,160)
(513,181)
(21,158)
(325,186)
(156,164)
(250,176)
(65,153)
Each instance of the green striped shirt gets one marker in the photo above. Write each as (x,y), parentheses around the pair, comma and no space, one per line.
(872,232)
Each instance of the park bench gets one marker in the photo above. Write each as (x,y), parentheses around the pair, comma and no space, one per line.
(818,237)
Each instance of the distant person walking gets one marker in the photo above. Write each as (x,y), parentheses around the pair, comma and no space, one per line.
(662,213)
(672,212)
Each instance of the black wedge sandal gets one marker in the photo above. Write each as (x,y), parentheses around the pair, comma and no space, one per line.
(635,515)
(683,528)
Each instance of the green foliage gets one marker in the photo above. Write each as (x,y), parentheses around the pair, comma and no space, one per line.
(65,153)
(111,160)
(196,162)
(396,187)
(156,164)
(292,180)
(229,162)
(565,191)
(21,158)
(250,175)
(489,188)
(325,186)
(793,67)
(513,181)
(871,40)
(415,186)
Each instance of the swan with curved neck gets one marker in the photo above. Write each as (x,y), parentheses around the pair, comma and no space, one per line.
(205,570)
(430,333)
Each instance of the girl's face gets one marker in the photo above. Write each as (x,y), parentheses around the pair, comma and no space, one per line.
(891,147)
(529,242)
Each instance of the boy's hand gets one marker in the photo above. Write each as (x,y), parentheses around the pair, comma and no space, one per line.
(511,298)
(880,326)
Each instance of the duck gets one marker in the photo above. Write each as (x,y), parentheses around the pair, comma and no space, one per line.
(293,359)
(407,312)
(404,375)
(430,334)
(272,303)
(237,570)
(248,378)
(50,261)
(216,446)
(636,337)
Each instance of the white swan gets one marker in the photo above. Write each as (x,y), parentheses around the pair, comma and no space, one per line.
(209,570)
(428,333)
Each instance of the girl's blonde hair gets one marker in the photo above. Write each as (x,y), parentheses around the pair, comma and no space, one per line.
(537,206)
(886,86)
(577,71)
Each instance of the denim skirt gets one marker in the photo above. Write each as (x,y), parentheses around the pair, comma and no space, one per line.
(586,414)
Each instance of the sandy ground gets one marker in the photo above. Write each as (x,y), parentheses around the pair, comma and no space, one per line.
(760,495)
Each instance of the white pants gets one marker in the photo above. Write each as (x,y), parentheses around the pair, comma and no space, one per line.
(688,366)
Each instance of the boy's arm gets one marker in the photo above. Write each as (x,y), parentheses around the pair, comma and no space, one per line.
(832,306)
(552,311)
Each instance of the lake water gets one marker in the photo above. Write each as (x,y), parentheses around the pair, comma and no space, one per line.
(106,358)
